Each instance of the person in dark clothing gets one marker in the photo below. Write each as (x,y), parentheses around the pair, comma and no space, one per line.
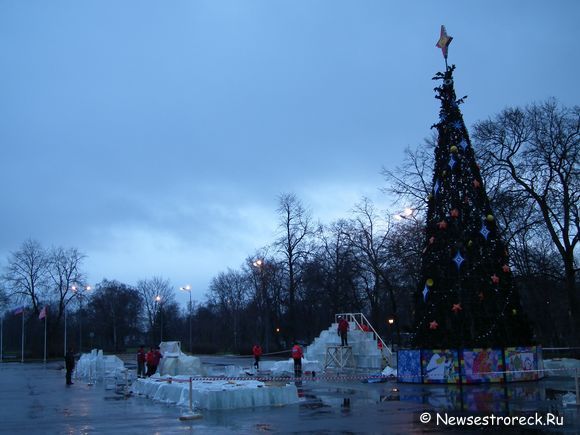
(141,362)
(343,331)
(69,360)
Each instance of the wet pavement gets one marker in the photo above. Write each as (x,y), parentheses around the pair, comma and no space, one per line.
(35,400)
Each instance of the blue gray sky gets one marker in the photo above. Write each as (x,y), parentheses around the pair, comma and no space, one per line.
(156,136)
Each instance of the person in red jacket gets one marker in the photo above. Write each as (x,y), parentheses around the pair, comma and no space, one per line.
(141,362)
(297,357)
(257,351)
(150,361)
(156,358)
(343,331)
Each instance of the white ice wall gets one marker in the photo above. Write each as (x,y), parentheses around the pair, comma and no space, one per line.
(95,366)
(215,394)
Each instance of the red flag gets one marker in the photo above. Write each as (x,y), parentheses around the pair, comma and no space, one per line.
(42,314)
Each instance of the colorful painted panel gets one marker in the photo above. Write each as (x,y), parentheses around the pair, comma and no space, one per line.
(521,363)
(440,366)
(482,365)
(409,366)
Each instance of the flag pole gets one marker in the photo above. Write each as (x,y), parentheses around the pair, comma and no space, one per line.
(45,316)
(22,347)
(65,330)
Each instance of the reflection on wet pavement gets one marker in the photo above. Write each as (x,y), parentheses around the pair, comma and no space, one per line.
(35,400)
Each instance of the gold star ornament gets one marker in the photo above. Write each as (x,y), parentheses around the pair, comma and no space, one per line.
(444,41)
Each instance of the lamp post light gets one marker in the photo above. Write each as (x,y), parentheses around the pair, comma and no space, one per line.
(187,288)
(80,292)
(407,213)
(233,308)
(259,265)
(391,321)
(158,302)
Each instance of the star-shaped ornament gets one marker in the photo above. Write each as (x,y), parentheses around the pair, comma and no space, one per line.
(442,225)
(484,231)
(481,296)
(458,259)
(495,279)
(456,308)
(452,163)
(431,240)
(433,324)
(457,125)
(505,268)
(444,41)
(425,293)
(436,187)
(476,184)
(463,144)
(454,213)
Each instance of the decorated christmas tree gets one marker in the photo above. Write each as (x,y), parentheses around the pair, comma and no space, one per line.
(467,297)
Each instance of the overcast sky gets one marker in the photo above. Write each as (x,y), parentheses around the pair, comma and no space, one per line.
(156,136)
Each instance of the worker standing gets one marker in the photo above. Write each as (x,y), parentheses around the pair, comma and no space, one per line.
(257,351)
(69,360)
(297,357)
(342,330)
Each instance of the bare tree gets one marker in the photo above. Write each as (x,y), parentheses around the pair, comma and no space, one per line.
(26,274)
(411,182)
(114,309)
(537,151)
(64,272)
(229,291)
(296,229)
(340,266)
(369,236)
(155,292)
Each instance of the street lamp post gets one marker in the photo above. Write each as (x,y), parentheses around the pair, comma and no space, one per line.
(65,349)
(391,321)
(187,288)
(259,264)
(158,302)
(231,306)
(80,294)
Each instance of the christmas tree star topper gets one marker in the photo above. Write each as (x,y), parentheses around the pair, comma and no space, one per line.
(443,43)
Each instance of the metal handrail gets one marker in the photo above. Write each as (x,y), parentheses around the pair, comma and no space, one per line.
(352,317)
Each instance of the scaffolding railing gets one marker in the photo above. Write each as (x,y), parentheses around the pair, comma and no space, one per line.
(363,323)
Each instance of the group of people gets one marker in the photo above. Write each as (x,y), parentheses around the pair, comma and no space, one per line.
(150,360)
(296,352)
